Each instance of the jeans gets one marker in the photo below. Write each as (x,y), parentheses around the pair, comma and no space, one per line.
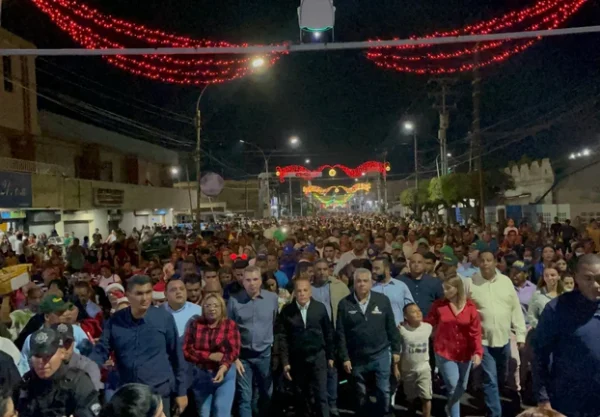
(494,364)
(380,365)
(456,378)
(214,400)
(257,370)
(332,390)
(309,378)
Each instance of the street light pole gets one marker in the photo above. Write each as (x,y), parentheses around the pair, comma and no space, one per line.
(267,173)
(197,156)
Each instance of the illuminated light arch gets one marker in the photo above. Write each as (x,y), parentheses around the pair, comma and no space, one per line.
(361,186)
(300,171)
(333,201)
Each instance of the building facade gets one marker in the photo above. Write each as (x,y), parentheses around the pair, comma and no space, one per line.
(60,174)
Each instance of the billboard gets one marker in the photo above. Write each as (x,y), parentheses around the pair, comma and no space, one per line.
(15,190)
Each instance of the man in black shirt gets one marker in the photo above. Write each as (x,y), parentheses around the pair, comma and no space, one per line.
(305,335)
(368,341)
(50,388)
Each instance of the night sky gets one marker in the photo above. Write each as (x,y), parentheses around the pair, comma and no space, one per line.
(344,108)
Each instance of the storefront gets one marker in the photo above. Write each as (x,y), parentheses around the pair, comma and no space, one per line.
(14,220)
(42,221)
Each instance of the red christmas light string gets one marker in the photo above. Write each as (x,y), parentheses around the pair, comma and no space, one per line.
(141,65)
(470,50)
(383,58)
(305,173)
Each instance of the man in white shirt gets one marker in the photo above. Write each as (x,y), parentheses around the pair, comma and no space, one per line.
(358,252)
(17,245)
(500,310)
(410,246)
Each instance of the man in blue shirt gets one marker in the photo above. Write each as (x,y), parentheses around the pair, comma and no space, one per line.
(146,344)
(396,290)
(468,269)
(254,310)
(567,346)
(182,310)
(424,289)
(273,266)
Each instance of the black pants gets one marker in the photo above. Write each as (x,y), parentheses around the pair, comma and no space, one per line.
(309,378)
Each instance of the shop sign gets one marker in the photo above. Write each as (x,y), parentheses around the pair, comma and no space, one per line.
(7,215)
(108,197)
(15,190)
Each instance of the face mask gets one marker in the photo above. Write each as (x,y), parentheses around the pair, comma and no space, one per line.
(379,277)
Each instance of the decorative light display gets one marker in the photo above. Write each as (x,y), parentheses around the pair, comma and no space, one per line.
(300,171)
(95,30)
(315,189)
(333,201)
(454,58)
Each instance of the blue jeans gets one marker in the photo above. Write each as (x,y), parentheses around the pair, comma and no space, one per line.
(495,365)
(257,370)
(332,389)
(456,378)
(214,400)
(380,365)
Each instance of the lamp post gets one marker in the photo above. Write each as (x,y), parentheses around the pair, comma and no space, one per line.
(294,141)
(437,167)
(409,127)
(266,171)
(256,64)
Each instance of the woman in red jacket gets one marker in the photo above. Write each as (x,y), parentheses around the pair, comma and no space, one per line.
(457,342)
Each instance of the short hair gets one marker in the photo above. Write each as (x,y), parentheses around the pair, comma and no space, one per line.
(132,400)
(252,270)
(385,260)
(220,301)
(212,287)
(83,284)
(174,280)
(408,305)
(192,279)
(331,245)
(138,280)
(430,256)
(208,268)
(225,270)
(322,261)
(487,251)
(300,278)
(362,271)
(588,259)
(240,264)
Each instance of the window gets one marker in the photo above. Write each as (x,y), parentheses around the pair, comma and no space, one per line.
(7,73)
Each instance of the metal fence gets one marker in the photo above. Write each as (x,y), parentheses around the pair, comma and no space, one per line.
(34,167)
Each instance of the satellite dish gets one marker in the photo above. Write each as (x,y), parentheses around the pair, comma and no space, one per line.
(212,184)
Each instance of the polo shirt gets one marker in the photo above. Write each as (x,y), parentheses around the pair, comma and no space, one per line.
(424,291)
(183,315)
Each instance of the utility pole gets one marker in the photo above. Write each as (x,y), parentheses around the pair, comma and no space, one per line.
(197,154)
(476,134)
(290,198)
(385,189)
(417,209)
(379,192)
(442,107)
(189,187)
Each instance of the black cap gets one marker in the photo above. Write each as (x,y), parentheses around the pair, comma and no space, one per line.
(65,332)
(45,342)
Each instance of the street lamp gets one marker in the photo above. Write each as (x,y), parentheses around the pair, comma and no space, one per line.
(409,127)
(175,171)
(294,140)
(584,152)
(258,62)
(307,161)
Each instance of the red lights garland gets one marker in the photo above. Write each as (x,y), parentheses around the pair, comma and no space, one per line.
(454,58)
(92,29)
(302,172)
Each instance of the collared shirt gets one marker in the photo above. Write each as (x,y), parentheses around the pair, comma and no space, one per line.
(147,350)
(363,304)
(467,270)
(424,291)
(255,318)
(524,294)
(92,309)
(201,341)
(499,308)
(303,311)
(80,340)
(399,295)
(348,257)
(323,295)
(184,315)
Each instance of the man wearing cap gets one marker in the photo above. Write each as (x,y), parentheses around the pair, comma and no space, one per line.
(74,360)
(358,252)
(449,269)
(51,388)
(397,251)
(472,266)
(55,311)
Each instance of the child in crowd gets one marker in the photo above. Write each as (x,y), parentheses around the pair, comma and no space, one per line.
(414,363)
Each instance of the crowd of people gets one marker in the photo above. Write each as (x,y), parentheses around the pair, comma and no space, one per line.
(258,318)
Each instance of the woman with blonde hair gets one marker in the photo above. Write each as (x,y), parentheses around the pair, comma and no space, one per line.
(457,343)
(212,343)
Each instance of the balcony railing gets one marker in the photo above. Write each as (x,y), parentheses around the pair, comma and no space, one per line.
(34,167)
